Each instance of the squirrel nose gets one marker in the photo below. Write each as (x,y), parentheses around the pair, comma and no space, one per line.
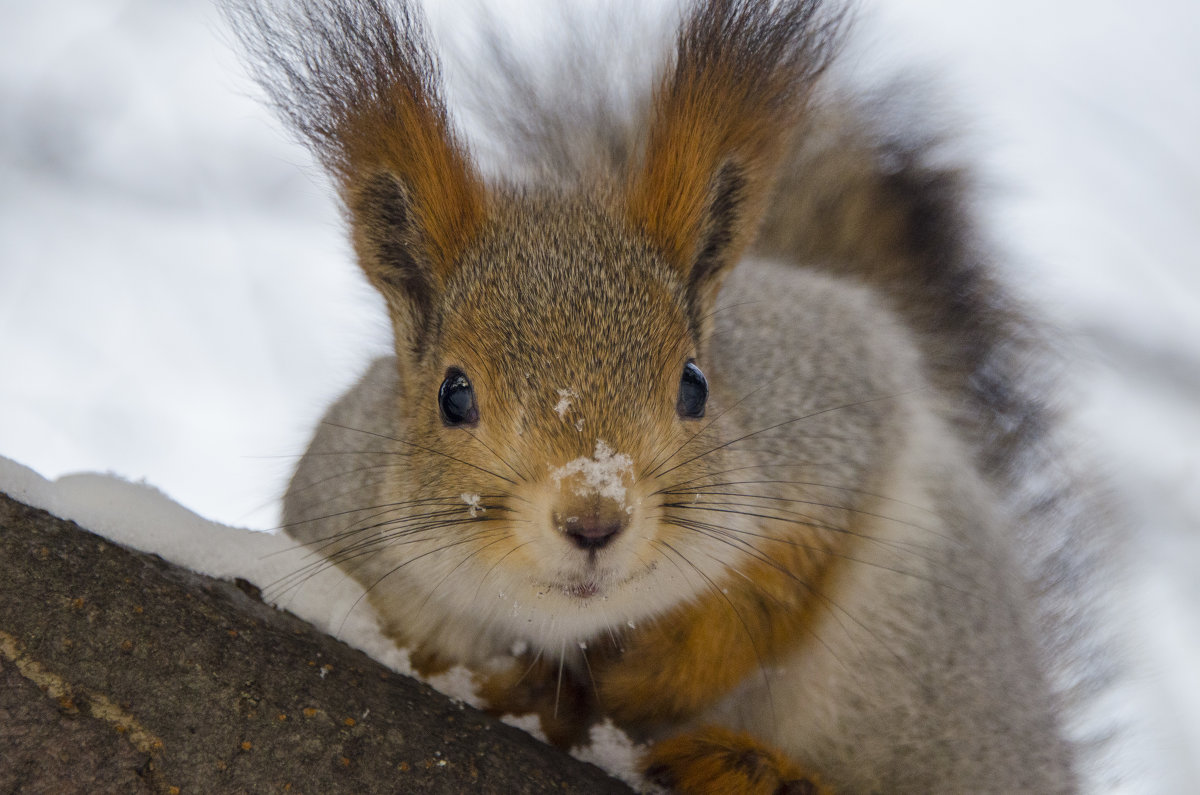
(594,527)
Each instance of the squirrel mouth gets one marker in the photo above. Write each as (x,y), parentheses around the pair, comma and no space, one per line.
(581,590)
(596,583)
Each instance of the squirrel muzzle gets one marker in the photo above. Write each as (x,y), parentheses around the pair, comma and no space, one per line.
(590,523)
(589,502)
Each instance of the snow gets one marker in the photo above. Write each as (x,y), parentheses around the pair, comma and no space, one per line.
(177,305)
(458,683)
(610,748)
(473,503)
(565,396)
(602,475)
(141,517)
(530,724)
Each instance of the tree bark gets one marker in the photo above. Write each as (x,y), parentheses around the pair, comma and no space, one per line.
(122,673)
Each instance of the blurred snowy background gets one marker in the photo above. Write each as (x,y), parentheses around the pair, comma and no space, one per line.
(178,304)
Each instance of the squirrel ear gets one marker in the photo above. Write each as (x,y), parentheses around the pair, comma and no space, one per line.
(721,119)
(359,82)
(723,222)
(394,253)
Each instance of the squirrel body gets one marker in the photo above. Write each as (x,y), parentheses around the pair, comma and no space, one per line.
(759,509)
(846,672)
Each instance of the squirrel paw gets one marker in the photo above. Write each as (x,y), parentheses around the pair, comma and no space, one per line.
(562,702)
(716,760)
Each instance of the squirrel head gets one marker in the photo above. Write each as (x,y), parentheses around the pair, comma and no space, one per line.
(547,371)
(550,341)
(554,361)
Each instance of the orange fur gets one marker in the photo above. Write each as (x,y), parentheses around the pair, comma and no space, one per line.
(697,127)
(607,290)
(717,760)
(360,82)
(673,668)
(734,96)
(410,137)
(563,702)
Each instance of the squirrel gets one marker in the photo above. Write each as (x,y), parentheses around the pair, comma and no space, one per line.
(717,425)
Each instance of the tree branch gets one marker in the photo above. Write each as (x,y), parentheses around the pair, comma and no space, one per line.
(121,672)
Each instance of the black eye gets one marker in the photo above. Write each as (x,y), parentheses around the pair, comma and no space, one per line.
(456,399)
(693,393)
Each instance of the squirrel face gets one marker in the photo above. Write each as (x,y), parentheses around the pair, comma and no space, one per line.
(561,377)
(547,414)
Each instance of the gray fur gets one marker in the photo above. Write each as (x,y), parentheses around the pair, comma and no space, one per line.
(867,370)
(936,683)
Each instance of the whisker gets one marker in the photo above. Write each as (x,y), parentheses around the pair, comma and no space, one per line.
(696,524)
(330,453)
(374,585)
(341,556)
(736,613)
(382,508)
(498,457)
(810,522)
(505,535)
(331,558)
(652,471)
(453,509)
(421,447)
(801,418)
(293,489)
(396,530)
(588,667)
(776,599)
(562,654)
(818,484)
(488,573)
(814,504)
(348,473)
(533,664)
(478,536)
(830,604)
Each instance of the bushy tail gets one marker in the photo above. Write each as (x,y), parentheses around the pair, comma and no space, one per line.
(869,192)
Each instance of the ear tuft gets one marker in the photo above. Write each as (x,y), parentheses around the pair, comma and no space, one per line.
(722,116)
(358,82)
